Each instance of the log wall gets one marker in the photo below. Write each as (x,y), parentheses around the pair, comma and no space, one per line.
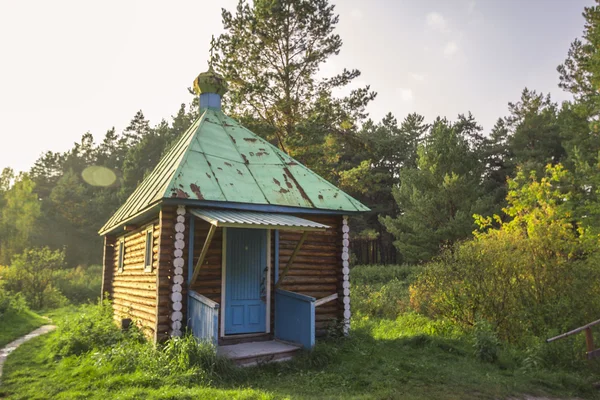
(133,290)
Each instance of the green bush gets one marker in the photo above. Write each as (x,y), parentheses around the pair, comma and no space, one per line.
(92,328)
(536,273)
(80,285)
(373,274)
(385,301)
(33,273)
(11,302)
(381,290)
(487,345)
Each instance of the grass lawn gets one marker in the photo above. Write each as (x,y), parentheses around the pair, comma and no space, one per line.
(391,359)
(392,353)
(16,324)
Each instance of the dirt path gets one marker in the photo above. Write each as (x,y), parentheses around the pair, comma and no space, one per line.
(6,350)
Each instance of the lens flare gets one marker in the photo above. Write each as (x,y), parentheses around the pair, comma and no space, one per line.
(97,175)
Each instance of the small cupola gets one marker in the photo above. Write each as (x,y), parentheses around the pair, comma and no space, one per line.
(210,86)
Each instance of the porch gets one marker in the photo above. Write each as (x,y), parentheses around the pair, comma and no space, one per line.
(247,300)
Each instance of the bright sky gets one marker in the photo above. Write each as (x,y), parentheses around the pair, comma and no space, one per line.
(68,67)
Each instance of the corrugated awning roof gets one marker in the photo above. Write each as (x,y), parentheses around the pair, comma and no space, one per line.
(251,219)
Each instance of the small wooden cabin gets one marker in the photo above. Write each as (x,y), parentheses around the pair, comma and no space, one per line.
(230,238)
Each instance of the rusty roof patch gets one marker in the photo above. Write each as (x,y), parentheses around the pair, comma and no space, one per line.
(179,194)
(196,189)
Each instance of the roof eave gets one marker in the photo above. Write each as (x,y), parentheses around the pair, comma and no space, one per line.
(152,208)
(260,207)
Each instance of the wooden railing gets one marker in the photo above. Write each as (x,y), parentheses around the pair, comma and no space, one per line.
(589,338)
(295,316)
(203,316)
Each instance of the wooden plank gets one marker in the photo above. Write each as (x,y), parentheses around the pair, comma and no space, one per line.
(291,259)
(209,237)
(326,299)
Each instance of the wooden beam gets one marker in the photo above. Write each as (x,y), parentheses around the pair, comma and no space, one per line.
(203,253)
(326,299)
(574,331)
(589,340)
(291,260)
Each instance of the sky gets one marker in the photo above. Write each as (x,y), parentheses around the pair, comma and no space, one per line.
(68,67)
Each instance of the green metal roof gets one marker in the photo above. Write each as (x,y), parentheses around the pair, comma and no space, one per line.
(253,219)
(219,160)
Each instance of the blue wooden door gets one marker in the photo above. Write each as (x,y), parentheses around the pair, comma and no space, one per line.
(245,296)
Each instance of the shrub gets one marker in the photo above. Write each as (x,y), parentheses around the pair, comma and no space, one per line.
(534,273)
(387,301)
(486,344)
(33,273)
(11,302)
(92,328)
(372,274)
(80,285)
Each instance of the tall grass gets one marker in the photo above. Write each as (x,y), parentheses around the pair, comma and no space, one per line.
(92,333)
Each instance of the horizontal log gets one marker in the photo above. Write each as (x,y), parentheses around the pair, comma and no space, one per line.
(135,276)
(305,280)
(304,252)
(128,299)
(148,294)
(126,312)
(125,288)
(209,290)
(323,324)
(312,272)
(291,245)
(327,308)
(308,288)
(305,259)
(326,317)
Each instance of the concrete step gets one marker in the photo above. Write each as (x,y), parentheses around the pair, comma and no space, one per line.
(254,353)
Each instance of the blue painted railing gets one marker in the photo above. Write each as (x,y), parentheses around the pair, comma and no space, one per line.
(203,317)
(295,318)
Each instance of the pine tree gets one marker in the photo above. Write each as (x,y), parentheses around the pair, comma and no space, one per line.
(270,55)
(437,199)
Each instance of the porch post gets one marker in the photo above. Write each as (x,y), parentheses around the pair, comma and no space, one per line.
(346,273)
(178,262)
